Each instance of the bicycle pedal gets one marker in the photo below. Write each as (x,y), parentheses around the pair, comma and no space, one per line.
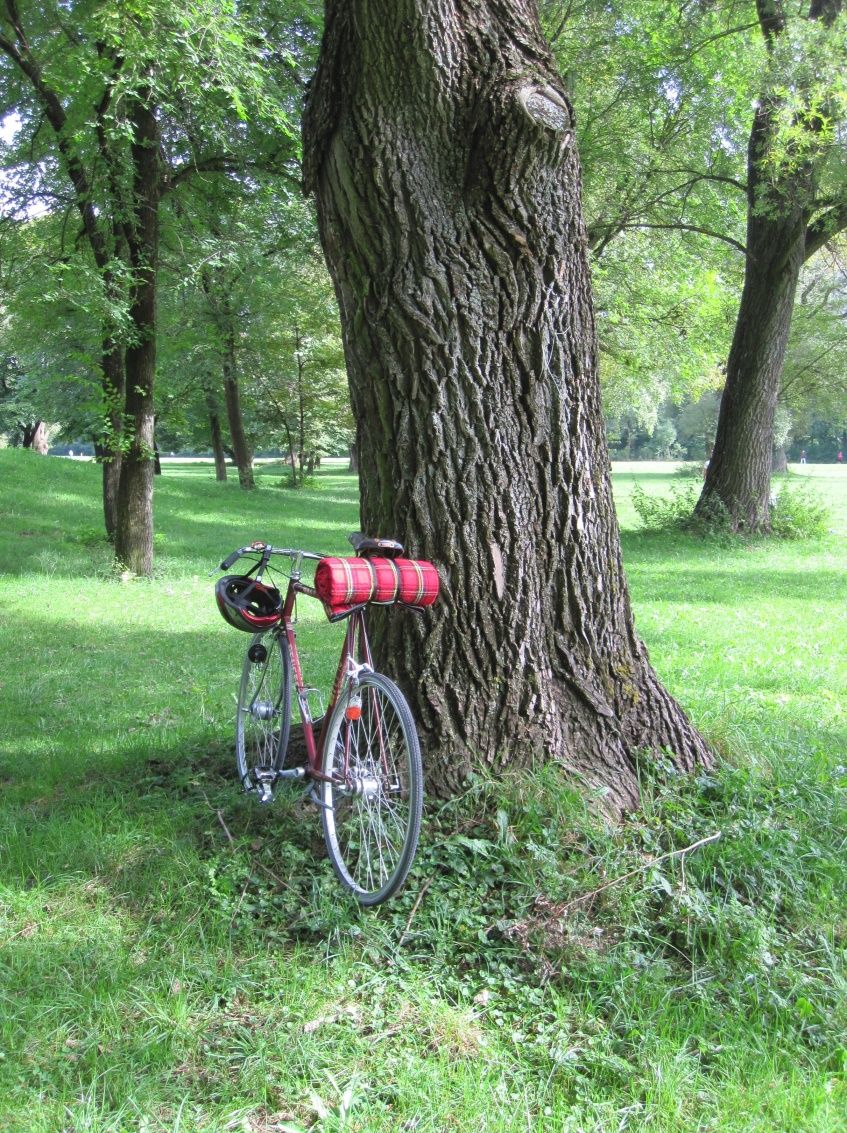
(266,795)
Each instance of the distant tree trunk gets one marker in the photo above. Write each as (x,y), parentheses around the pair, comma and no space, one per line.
(354,458)
(240,446)
(780,459)
(35,437)
(439,146)
(107,448)
(215,286)
(134,533)
(292,459)
(301,405)
(217,444)
(739,475)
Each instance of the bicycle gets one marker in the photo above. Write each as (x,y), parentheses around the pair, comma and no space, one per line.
(364,764)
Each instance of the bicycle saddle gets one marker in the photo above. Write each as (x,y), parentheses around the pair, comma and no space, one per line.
(364,545)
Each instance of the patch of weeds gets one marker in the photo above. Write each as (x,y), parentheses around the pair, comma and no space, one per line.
(48,561)
(676,512)
(799,512)
(689,470)
(89,536)
(521,903)
(665,513)
(298,482)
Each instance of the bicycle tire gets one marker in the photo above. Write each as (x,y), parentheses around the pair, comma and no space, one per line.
(372,817)
(263,723)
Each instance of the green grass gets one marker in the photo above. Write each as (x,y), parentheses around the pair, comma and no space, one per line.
(174,958)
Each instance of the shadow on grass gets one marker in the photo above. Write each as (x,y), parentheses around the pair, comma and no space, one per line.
(144,831)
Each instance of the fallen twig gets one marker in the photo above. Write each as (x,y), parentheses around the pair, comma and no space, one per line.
(633,872)
(415,908)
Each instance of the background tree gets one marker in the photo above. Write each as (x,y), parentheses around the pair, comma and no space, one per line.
(813,389)
(661,109)
(439,145)
(663,96)
(138,101)
(797,201)
(51,311)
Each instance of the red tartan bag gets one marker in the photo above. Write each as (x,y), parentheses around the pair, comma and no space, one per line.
(342,584)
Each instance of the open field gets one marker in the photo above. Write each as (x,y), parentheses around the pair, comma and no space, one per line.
(172,960)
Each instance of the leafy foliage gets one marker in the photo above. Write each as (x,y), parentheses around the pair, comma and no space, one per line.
(799,512)
(665,513)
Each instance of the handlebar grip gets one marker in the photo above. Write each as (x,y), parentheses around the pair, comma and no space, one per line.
(230,559)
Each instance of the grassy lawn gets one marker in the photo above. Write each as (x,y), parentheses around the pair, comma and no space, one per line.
(174,958)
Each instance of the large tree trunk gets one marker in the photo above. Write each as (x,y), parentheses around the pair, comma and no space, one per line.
(738,478)
(134,533)
(439,146)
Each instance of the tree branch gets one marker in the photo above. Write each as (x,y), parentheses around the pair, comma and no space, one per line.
(226,163)
(698,175)
(822,230)
(679,227)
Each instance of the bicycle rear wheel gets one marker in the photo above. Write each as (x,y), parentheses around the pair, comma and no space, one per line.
(264,713)
(372,804)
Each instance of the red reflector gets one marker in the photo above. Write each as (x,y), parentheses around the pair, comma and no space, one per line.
(353,712)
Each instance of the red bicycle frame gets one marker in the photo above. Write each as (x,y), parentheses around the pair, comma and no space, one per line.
(355,644)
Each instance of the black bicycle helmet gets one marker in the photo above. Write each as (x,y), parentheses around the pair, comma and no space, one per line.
(248,604)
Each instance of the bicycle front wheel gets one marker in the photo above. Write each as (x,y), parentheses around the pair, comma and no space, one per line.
(264,713)
(373,795)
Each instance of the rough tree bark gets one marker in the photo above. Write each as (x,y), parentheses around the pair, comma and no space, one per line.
(785,227)
(439,147)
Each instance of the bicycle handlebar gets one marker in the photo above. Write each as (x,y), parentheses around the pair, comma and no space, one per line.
(266,550)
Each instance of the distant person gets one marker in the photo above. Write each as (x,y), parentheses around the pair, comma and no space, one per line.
(803,456)
(840,457)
